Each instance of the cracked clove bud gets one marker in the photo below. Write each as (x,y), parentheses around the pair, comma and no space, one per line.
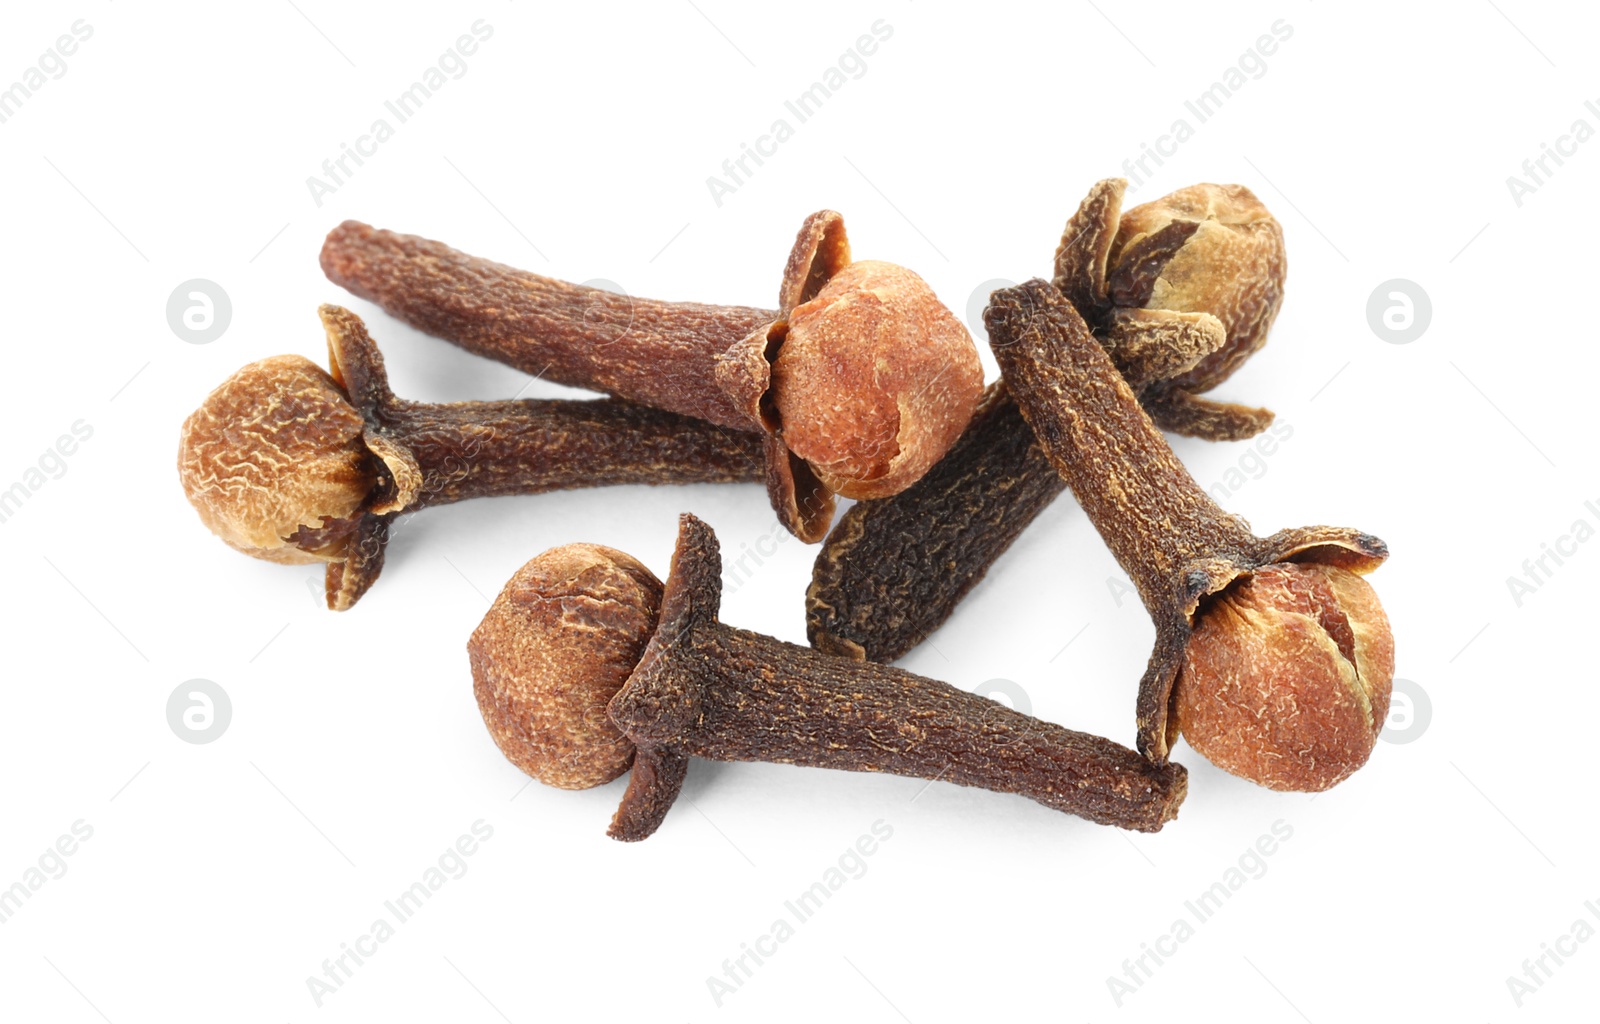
(295,465)
(858,382)
(587,665)
(1273,656)
(1180,292)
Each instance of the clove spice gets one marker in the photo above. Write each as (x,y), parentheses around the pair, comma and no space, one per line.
(858,382)
(1180,291)
(1273,657)
(587,666)
(292,464)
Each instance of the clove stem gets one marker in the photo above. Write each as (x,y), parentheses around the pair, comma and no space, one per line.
(662,354)
(1151,512)
(488,449)
(893,570)
(1176,544)
(705,689)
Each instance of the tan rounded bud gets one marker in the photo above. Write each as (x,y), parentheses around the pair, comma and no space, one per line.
(1286,680)
(875,380)
(559,641)
(273,460)
(1232,266)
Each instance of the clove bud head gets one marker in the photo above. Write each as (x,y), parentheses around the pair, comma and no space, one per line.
(563,637)
(1287,677)
(1204,249)
(274,462)
(875,380)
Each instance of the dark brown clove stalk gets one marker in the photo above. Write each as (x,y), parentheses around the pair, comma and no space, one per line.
(892,571)
(1180,291)
(294,465)
(858,382)
(586,664)
(1272,656)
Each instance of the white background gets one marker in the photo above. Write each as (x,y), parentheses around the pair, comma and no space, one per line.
(220,876)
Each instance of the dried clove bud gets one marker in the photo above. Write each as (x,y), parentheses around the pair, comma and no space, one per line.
(292,464)
(1235,703)
(586,664)
(1272,656)
(865,385)
(1180,291)
(858,382)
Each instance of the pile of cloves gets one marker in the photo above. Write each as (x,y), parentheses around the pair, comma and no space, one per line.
(1272,656)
